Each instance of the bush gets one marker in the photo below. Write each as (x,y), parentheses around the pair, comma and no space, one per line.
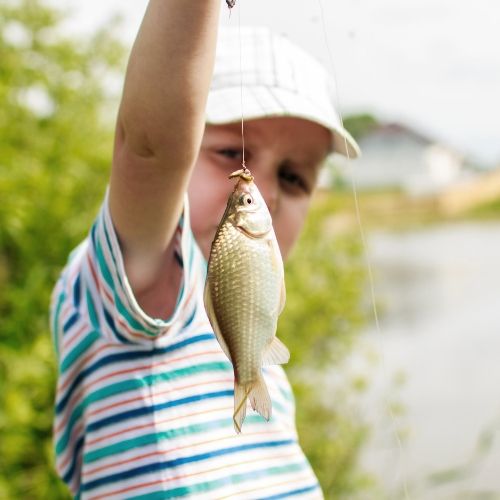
(325,281)
(54,157)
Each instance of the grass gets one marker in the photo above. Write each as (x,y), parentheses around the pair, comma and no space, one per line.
(394,209)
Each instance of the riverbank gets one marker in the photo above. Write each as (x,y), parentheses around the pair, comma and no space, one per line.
(439,290)
(390,209)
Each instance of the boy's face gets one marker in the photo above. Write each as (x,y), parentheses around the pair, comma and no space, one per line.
(284,155)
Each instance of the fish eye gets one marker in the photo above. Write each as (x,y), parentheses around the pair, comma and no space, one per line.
(246,200)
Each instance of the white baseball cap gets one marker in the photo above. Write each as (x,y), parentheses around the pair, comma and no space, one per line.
(276,78)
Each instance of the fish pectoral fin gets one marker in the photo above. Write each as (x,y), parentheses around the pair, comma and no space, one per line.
(276,353)
(209,308)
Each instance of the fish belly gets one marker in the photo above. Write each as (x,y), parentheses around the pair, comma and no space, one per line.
(245,288)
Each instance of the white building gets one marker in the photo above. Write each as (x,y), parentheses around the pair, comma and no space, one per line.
(395,156)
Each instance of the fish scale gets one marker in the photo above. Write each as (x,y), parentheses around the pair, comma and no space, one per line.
(248,329)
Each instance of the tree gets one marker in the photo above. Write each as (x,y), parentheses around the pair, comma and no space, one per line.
(360,125)
(55,149)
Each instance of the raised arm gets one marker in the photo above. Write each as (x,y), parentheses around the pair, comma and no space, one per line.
(159,129)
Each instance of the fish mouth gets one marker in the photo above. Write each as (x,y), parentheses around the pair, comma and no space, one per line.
(243,173)
(255,236)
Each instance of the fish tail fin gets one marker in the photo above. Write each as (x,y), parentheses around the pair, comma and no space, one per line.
(241,392)
(259,399)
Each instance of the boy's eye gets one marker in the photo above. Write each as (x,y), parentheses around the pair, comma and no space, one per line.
(293,181)
(232,154)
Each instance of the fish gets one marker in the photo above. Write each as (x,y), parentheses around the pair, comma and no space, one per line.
(245,293)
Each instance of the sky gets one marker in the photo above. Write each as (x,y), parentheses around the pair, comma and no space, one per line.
(432,65)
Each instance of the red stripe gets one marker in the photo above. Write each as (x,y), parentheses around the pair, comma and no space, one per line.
(75,397)
(177,449)
(93,271)
(139,398)
(186,476)
(65,312)
(305,476)
(149,366)
(157,422)
(78,429)
(85,361)
(68,341)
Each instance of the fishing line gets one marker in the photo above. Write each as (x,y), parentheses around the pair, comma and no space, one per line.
(231,4)
(364,244)
(241,91)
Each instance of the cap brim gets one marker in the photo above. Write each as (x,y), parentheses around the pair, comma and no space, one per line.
(229,105)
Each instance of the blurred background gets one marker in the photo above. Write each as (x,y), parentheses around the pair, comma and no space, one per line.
(404,407)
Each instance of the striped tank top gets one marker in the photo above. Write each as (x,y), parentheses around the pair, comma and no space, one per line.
(144,406)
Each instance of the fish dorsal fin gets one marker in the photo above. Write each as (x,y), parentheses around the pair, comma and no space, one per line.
(207,299)
(276,353)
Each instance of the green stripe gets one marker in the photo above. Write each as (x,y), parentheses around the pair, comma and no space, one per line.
(147,439)
(220,483)
(106,274)
(79,349)
(131,384)
(151,380)
(91,310)
(288,395)
(278,406)
(132,322)
(55,322)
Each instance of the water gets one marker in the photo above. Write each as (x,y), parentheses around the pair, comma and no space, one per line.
(438,292)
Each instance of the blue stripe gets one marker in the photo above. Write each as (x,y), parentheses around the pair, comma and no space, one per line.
(111,323)
(126,356)
(291,493)
(71,321)
(178,258)
(92,233)
(147,410)
(158,466)
(77,293)
(75,458)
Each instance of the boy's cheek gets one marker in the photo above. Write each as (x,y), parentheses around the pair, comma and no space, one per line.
(298,213)
(288,231)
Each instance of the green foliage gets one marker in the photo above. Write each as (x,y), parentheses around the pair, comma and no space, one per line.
(55,149)
(54,155)
(360,125)
(486,211)
(325,280)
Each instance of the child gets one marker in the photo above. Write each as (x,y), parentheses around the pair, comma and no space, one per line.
(145,393)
